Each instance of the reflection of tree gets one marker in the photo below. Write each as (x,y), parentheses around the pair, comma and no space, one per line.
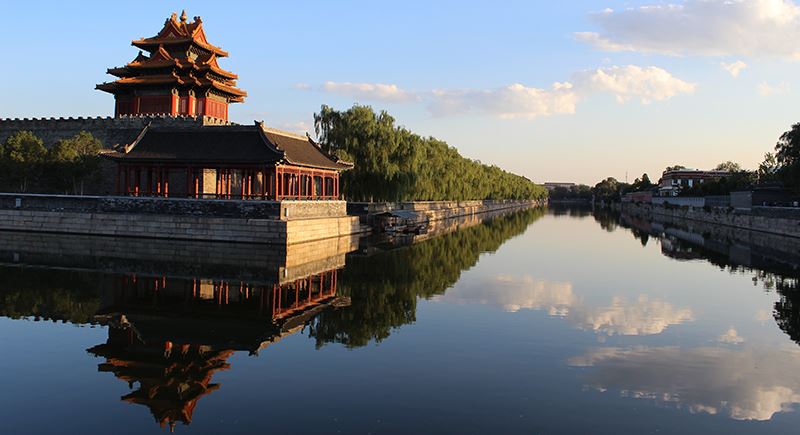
(384,287)
(56,295)
(787,309)
(607,218)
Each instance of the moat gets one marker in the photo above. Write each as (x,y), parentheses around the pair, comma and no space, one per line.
(536,321)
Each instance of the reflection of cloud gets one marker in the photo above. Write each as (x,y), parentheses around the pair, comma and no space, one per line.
(731,337)
(748,384)
(643,317)
(515,294)
(763,316)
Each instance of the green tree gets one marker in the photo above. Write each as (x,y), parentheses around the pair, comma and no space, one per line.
(394,164)
(75,161)
(787,154)
(768,169)
(728,166)
(642,183)
(23,155)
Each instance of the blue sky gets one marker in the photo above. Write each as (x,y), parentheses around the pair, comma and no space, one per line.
(556,91)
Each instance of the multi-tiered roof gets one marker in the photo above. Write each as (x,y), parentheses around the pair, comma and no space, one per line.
(179,62)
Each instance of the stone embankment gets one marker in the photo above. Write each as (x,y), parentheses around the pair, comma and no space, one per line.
(773,220)
(284,222)
(437,210)
(265,222)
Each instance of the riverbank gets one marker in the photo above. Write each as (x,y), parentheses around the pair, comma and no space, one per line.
(262,222)
(772,220)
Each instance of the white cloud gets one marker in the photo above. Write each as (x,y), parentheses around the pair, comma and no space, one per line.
(735,68)
(625,82)
(731,337)
(302,86)
(370,91)
(513,101)
(767,90)
(701,27)
(519,101)
(742,383)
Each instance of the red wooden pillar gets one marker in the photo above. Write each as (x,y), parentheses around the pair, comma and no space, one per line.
(196,184)
(137,181)
(278,184)
(166,182)
(228,183)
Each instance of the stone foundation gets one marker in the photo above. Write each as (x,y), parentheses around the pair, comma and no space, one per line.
(774,220)
(263,222)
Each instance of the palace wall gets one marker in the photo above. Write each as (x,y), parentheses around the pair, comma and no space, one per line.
(110,131)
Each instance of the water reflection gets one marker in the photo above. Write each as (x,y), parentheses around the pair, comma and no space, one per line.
(745,384)
(622,316)
(176,312)
(385,286)
(177,315)
(169,332)
(737,378)
(167,337)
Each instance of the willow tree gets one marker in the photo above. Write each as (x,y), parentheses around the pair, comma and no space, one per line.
(395,164)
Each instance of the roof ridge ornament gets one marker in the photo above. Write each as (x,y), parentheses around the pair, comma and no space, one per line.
(183,16)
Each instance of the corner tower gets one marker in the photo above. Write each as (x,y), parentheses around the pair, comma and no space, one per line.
(178,75)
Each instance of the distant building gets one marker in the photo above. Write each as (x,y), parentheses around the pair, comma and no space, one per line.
(551,186)
(672,182)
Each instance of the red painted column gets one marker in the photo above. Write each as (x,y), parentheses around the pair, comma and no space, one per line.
(228,183)
(277,183)
(138,186)
(166,182)
(173,109)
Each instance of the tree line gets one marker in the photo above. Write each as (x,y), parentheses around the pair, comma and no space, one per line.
(779,168)
(395,164)
(26,166)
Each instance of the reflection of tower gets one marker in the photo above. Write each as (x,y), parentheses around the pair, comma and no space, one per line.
(171,379)
(167,337)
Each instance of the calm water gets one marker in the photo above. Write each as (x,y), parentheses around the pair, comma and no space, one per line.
(534,322)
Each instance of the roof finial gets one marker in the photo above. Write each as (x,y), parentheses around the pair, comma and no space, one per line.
(173,16)
(183,16)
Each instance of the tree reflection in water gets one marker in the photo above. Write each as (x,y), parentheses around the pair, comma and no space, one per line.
(384,287)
